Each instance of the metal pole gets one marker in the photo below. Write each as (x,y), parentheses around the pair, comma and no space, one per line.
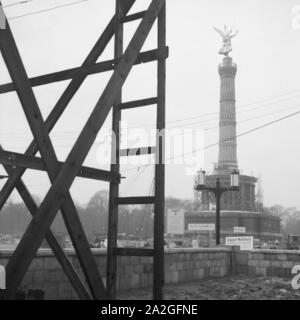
(217,191)
(218,197)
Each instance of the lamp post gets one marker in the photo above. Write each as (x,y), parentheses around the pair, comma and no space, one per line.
(218,190)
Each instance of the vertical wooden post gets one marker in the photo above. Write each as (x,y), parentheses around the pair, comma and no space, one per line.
(158,263)
(111,279)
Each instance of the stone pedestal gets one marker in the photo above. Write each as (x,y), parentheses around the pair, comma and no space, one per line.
(243,200)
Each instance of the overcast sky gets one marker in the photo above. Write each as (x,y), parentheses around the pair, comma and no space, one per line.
(266,50)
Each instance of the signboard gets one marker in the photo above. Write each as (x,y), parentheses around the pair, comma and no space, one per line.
(201,227)
(195,243)
(245,243)
(239,230)
(212,206)
(175,221)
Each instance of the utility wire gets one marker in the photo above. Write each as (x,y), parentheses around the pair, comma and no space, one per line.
(67,133)
(231,138)
(46,10)
(243,106)
(240,135)
(217,143)
(17,3)
(147,209)
(215,113)
(135,178)
(257,117)
(11,139)
(63,135)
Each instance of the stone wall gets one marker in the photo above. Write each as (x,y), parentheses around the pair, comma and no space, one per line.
(181,265)
(187,265)
(262,262)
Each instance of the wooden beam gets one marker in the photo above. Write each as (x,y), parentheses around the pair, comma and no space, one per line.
(35,163)
(134,16)
(64,100)
(159,206)
(37,229)
(34,117)
(152,55)
(137,151)
(137,103)
(84,71)
(134,252)
(135,200)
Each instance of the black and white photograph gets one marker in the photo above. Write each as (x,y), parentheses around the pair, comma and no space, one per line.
(149,150)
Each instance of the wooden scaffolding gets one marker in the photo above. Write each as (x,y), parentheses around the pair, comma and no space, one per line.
(63,174)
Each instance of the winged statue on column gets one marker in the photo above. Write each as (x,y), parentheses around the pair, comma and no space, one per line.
(226,35)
